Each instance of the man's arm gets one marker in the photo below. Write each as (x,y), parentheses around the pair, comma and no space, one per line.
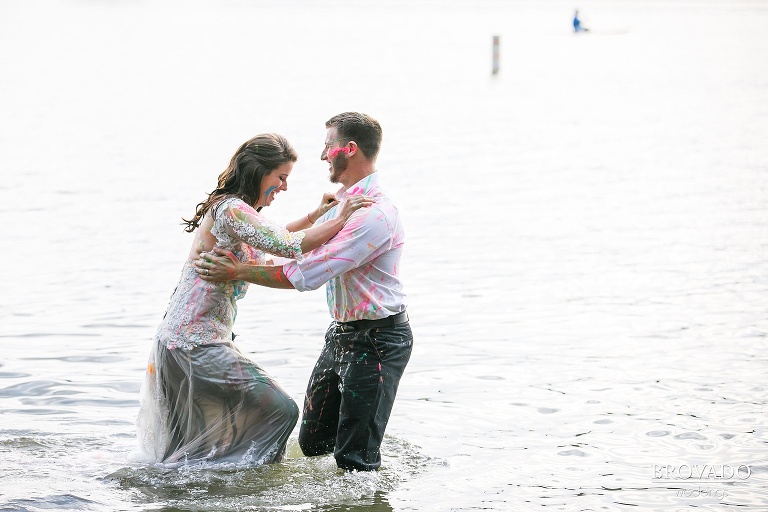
(363,236)
(224,266)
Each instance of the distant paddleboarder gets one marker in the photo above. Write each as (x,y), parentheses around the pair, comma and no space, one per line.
(577,23)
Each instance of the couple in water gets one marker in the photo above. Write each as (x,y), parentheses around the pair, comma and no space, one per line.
(202,399)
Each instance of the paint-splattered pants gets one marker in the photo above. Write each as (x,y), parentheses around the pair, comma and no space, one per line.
(351,392)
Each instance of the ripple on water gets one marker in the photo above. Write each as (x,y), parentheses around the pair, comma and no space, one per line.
(48,335)
(691,435)
(573,453)
(33,388)
(50,470)
(95,402)
(50,502)
(13,375)
(24,443)
(80,359)
(35,411)
(39,395)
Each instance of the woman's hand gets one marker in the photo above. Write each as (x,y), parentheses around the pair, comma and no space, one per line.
(352,204)
(217,266)
(329,201)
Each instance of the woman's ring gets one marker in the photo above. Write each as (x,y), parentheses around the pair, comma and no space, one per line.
(207,272)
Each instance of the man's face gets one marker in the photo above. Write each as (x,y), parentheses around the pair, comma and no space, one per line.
(335,153)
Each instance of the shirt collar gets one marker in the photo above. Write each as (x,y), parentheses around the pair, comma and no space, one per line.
(368,186)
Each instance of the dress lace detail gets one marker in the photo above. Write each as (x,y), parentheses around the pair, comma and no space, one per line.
(200,312)
(237,222)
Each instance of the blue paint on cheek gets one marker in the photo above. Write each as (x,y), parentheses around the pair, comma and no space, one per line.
(269,191)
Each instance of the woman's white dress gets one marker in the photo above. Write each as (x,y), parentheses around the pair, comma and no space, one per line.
(202,400)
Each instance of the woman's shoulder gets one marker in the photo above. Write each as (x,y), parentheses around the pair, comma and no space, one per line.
(228,204)
(230,201)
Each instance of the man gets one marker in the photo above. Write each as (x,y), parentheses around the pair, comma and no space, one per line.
(353,385)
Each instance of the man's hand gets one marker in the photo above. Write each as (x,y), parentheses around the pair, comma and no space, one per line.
(217,266)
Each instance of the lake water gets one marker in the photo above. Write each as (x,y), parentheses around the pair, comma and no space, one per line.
(586,261)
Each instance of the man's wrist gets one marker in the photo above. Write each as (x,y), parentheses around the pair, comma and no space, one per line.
(265,275)
(242,272)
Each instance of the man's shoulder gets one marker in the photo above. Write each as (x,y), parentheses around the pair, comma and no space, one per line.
(382,207)
(381,220)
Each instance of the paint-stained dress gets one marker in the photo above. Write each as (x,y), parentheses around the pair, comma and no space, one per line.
(202,399)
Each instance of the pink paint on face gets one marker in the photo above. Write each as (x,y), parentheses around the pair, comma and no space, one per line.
(332,153)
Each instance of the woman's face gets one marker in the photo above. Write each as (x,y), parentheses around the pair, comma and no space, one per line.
(273,183)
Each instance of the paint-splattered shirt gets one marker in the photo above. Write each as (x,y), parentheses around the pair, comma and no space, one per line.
(201,312)
(361,263)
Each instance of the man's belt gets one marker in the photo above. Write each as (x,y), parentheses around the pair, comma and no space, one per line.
(390,321)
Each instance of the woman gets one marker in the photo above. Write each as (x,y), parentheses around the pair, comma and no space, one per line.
(202,399)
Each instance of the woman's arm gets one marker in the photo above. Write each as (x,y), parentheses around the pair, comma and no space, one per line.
(329,201)
(316,236)
(361,238)
(245,224)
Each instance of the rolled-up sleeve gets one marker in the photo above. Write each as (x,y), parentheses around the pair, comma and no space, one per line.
(364,236)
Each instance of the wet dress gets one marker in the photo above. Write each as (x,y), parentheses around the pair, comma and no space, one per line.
(202,400)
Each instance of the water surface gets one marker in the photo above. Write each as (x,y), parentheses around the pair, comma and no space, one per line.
(585,264)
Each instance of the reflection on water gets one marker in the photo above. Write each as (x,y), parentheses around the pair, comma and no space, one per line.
(586,261)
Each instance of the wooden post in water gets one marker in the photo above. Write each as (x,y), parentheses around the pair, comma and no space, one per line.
(496,55)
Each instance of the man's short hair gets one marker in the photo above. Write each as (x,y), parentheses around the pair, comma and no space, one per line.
(361,128)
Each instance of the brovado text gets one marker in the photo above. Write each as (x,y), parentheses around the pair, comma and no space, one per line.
(701,472)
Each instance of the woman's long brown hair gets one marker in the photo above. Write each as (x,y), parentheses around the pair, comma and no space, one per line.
(242,178)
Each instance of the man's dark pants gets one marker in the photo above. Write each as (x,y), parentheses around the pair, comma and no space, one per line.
(351,392)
